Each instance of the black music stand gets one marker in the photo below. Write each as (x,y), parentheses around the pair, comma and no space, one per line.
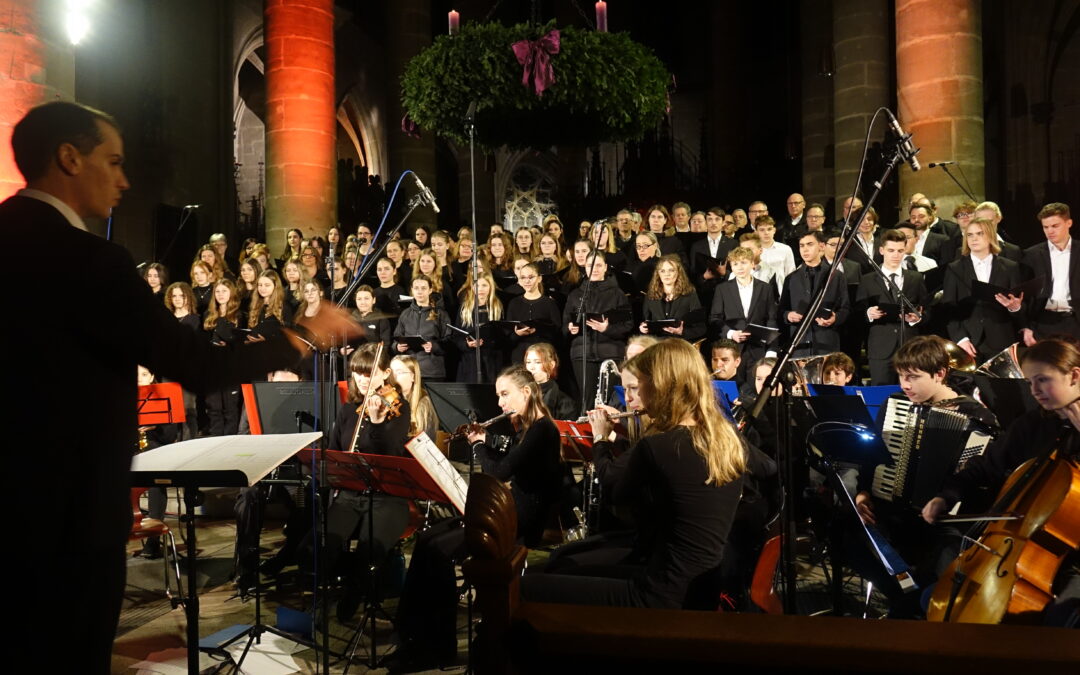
(845,434)
(457,404)
(368,474)
(223,461)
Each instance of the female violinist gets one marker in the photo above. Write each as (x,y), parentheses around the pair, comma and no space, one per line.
(1052,367)
(374,398)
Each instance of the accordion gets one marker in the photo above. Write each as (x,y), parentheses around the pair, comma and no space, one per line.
(927,445)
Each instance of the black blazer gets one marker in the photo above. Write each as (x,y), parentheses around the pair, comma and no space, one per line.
(1037,263)
(988,325)
(102,338)
(727,310)
(701,248)
(883,337)
(940,248)
(857,255)
(798,293)
(679,308)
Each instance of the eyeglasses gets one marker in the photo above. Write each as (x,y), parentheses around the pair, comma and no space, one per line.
(644,247)
(811,216)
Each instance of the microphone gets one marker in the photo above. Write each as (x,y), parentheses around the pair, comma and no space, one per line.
(933,164)
(426,193)
(906,147)
(192,206)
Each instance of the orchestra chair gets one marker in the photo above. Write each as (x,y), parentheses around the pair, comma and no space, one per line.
(143,528)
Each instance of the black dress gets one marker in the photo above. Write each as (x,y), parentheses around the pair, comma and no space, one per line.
(492,354)
(543,310)
(682,541)
(534,468)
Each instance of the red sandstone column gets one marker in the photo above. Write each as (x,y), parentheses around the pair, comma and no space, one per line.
(939,91)
(35,67)
(301,188)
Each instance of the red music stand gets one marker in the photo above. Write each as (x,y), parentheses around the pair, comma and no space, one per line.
(576,440)
(161,403)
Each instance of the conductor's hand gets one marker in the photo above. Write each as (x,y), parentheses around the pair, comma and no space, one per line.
(934,508)
(331,323)
(864,505)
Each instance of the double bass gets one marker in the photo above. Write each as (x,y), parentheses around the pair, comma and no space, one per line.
(1007,574)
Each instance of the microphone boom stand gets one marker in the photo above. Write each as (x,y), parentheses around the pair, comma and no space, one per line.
(787,516)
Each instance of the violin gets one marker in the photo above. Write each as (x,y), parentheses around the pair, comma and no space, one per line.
(1007,573)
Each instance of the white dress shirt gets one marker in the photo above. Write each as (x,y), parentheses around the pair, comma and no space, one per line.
(65,210)
(1060,299)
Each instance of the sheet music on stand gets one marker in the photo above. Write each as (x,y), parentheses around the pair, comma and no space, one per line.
(220,461)
(435,463)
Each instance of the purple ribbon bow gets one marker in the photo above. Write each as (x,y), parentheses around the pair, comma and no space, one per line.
(409,127)
(535,56)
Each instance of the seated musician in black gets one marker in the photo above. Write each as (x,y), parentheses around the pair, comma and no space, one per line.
(690,463)
(426,620)
(1053,369)
(923,366)
(384,431)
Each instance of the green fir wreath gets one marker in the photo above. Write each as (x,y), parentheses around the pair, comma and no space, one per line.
(607,88)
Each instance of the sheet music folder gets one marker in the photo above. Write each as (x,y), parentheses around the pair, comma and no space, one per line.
(220,461)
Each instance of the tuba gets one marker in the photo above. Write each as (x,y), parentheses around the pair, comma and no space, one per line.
(807,371)
(1004,364)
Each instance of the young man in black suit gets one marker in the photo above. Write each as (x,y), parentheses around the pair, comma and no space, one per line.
(800,288)
(741,301)
(714,247)
(1054,310)
(72,158)
(878,290)
(982,328)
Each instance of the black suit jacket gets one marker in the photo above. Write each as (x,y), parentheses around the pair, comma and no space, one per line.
(701,248)
(84,380)
(950,230)
(727,310)
(883,337)
(1037,263)
(988,325)
(940,248)
(797,294)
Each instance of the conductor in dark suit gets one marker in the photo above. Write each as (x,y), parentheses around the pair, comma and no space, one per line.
(878,290)
(1058,261)
(74,495)
(800,288)
(982,328)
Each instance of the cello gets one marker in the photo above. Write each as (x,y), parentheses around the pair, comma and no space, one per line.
(1007,574)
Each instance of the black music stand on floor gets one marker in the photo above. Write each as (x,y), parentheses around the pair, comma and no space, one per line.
(372,475)
(221,461)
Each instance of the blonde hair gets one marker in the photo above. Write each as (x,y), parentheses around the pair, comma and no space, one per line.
(468,299)
(422,411)
(680,388)
(682,284)
(989,230)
